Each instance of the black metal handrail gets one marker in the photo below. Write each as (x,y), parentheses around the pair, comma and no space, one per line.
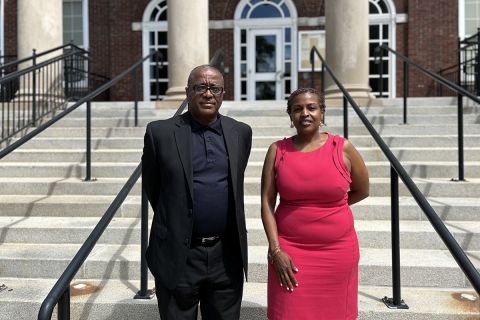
(396,170)
(36,55)
(30,94)
(461,92)
(60,292)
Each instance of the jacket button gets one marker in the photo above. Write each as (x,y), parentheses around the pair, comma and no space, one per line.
(190,212)
(187,241)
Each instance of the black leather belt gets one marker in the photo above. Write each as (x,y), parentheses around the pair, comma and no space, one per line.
(205,241)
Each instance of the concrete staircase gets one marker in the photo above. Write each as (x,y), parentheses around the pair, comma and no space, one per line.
(47,211)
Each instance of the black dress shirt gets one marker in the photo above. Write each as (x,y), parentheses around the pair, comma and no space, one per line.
(211,186)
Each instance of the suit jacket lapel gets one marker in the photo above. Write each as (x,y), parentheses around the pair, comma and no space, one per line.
(231,141)
(183,140)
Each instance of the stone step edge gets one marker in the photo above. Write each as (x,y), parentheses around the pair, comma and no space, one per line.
(424,303)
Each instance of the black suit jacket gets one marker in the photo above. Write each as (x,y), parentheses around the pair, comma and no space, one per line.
(167,177)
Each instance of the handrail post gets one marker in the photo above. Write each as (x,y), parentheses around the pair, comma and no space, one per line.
(157,73)
(312,72)
(461,176)
(322,85)
(88,160)
(144,292)
(135,94)
(345,117)
(380,71)
(405,91)
(477,65)
(396,302)
(64,305)
(34,89)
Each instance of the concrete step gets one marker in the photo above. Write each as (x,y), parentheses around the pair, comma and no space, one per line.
(372,208)
(379,187)
(281,118)
(371,233)
(254,169)
(268,130)
(112,299)
(437,268)
(258,141)
(280,110)
(257,154)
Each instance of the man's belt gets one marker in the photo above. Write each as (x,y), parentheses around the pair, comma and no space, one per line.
(205,241)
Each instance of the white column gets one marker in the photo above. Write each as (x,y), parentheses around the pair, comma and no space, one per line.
(346,31)
(40,26)
(187,42)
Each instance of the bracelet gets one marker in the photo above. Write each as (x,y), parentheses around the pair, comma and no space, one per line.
(275,251)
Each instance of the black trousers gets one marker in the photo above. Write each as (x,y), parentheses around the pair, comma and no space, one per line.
(213,279)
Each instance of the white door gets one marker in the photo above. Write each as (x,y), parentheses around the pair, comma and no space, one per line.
(264,78)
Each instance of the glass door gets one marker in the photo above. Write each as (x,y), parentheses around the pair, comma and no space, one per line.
(264,65)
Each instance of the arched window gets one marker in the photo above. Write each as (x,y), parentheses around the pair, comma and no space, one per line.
(265,45)
(382,31)
(154,30)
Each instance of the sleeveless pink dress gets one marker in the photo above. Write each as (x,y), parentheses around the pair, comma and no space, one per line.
(315,227)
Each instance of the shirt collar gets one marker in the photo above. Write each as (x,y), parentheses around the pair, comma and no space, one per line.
(215,127)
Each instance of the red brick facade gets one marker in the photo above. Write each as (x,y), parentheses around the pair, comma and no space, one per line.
(428,37)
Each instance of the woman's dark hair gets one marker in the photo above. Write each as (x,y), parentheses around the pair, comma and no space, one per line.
(294,94)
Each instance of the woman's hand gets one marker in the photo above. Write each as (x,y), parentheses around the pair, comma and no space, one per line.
(285,268)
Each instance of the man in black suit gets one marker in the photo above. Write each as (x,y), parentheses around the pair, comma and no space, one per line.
(193,169)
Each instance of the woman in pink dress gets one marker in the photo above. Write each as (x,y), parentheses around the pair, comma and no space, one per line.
(313,248)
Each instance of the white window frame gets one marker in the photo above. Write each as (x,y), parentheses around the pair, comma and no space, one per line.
(389,19)
(264,23)
(147,27)
(85,26)
(462,33)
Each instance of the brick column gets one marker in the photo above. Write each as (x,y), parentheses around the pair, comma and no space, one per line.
(187,42)
(346,31)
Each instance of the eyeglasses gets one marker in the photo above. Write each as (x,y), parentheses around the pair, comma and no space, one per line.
(202,88)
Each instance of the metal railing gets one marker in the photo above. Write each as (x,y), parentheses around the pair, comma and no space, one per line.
(396,170)
(461,92)
(466,72)
(60,292)
(27,95)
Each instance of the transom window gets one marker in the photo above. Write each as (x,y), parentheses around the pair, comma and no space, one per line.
(265,9)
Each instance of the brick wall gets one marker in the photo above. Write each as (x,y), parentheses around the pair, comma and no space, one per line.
(432,35)
(113,44)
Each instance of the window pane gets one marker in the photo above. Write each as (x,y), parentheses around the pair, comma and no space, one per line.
(374,32)
(288,52)
(288,35)
(265,11)
(265,90)
(265,60)
(243,71)
(288,68)
(285,10)
(162,38)
(243,36)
